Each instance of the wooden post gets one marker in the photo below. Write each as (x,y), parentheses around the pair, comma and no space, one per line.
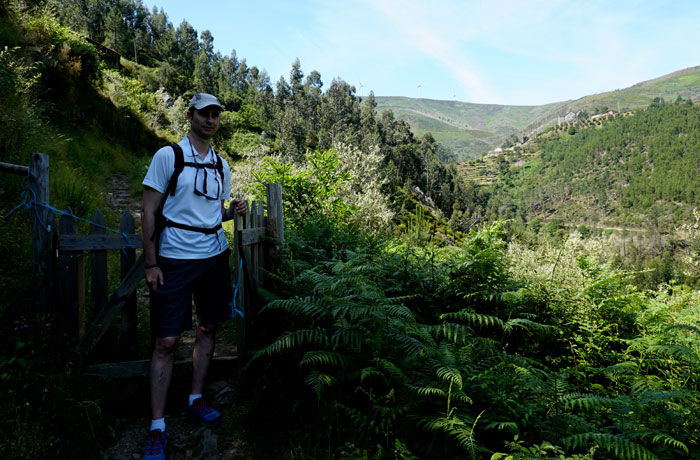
(275,227)
(129,335)
(240,224)
(42,230)
(98,267)
(68,275)
(275,216)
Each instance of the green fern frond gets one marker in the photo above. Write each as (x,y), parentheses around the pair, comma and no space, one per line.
(410,345)
(684,328)
(325,358)
(292,340)
(473,318)
(369,372)
(267,296)
(622,447)
(390,369)
(455,427)
(428,391)
(524,324)
(400,311)
(456,333)
(647,383)
(403,299)
(314,278)
(318,381)
(587,401)
(679,352)
(448,374)
(305,307)
(669,441)
(501,426)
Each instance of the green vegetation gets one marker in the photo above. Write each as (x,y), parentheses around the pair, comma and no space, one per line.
(392,350)
(543,308)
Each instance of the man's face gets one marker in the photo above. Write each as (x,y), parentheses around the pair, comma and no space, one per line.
(205,122)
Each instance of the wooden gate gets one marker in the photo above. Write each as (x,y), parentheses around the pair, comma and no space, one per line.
(60,258)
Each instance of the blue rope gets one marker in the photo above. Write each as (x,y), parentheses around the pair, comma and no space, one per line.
(33,203)
(235,311)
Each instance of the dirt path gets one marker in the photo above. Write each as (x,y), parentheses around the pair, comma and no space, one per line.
(186,439)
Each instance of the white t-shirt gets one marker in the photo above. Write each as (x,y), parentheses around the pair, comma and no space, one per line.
(188,208)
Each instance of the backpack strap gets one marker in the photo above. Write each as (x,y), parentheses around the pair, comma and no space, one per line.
(179,166)
(169,191)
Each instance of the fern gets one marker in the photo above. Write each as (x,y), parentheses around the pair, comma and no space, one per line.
(587,402)
(450,375)
(455,427)
(369,372)
(292,340)
(622,447)
(428,391)
(319,381)
(457,333)
(305,307)
(325,358)
(525,324)
(474,318)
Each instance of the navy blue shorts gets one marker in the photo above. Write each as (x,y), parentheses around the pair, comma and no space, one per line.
(209,280)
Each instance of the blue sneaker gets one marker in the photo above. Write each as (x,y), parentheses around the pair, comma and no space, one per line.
(156,441)
(201,412)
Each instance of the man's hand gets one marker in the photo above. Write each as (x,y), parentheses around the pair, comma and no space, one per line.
(238,206)
(154,277)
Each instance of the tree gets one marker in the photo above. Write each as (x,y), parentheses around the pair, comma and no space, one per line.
(116,31)
(203,72)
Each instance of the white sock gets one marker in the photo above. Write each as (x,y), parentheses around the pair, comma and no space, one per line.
(193,397)
(158,424)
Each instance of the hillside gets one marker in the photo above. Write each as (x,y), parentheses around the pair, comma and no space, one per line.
(470,130)
(467,129)
(637,171)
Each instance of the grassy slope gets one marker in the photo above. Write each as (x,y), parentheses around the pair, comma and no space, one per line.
(472,129)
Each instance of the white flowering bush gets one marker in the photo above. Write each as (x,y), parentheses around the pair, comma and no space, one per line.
(568,264)
(362,191)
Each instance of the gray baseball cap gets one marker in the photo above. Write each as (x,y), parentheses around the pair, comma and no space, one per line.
(201,100)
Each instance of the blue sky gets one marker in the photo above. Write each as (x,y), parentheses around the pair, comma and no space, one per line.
(516,52)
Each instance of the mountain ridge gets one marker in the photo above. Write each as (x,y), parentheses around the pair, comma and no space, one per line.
(453,123)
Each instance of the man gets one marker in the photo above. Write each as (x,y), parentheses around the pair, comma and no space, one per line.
(186,254)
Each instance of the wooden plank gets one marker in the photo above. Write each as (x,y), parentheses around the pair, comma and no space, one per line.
(253,235)
(68,275)
(98,266)
(14,169)
(114,305)
(42,229)
(140,368)
(275,215)
(80,289)
(275,231)
(129,334)
(97,242)
(259,253)
(242,298)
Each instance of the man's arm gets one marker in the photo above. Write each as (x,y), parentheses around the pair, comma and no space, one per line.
(151,201)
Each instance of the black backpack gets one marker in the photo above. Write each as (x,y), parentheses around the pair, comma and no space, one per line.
(180,163)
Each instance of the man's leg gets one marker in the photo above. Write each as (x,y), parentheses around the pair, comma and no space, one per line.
(161,370)
(201,356)
(198,409)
